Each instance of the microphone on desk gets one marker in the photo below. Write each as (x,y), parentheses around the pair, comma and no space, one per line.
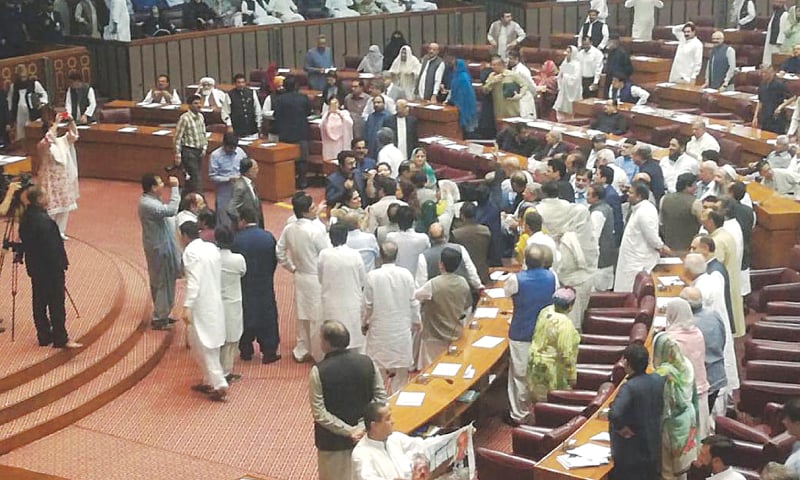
(452,349)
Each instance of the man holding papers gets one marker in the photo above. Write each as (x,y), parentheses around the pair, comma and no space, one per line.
(531,290)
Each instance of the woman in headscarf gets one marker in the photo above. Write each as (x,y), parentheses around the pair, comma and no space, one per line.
(569,81)
(681,329)
(392,50)
(427,217)
(554,348)
(462,95)
(407,192)
(449,200)
(58,171)
(547,77)
(578,251)
(336,130)
(404,72)
(419,161)
(372,61)
(792,30)
(679,439)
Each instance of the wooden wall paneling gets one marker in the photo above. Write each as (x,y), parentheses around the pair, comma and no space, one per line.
(545,24)
(211,51)
(263,52)
(574,16)
(363,34)
(430,31)
(199,60)
(236,46)
(249,49)
(287,47)
(692,9)
(705,9)
(188,76)
(122,56)
(303,41)
(173,66)
(469,33)
(381,30)
(148,70)
(137,79)
(481,25)
(226,67)
(415,37)
(341,38)
(162,63)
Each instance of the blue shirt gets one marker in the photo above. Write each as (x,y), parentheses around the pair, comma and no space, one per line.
(626,163)
(314,60)
(793,462)
(222,165)
(535,291)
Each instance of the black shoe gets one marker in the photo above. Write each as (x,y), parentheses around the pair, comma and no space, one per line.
(45,343)
(270,358)
(160,325)
(232,377)
(246,358)
(171,320)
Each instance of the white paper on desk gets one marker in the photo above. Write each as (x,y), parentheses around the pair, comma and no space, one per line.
(192,86)
(598,101)
(9,159)
(474,64)
(250,137)
(659,321)
(410,399)
(206,109)
(576,133)
(753,98)
(284,70)
(161,133)
(573,461)
(672,42)
(430,139)
(542,125)
(366,75)
(445,141)
(413,104)
(84,127)
(671,281)
(485,312)
(640,57)
(601,437)
(499,275)
(268,145)
(670,261)
(455,146)
(665,84)
(710,90)
(170,107)
(495,292)
(151,105)
(729,93)
(771,141)
(717,126)
(487,341)
(515,120)
(642,109)
(790,76)
(592,132)
(244,143)
(591,451)
(434,107)
(729,30)
(127,129)
(750,68)
(446,369)
(142,104)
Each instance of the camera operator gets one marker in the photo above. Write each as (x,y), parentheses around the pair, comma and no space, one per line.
(13,188)
(46,261)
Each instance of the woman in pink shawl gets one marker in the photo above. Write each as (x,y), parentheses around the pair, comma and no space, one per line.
(58,171)
(547,77)
(336,129)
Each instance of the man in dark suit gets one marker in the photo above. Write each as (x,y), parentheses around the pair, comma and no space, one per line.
(46,261)
(259,308)
(404,127)
(635,420)
(610,120)
(245,193)
(705,246)
(553,147)
(291,111)
(476,238)
(345,178)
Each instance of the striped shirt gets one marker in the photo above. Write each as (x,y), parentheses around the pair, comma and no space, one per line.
(191,132)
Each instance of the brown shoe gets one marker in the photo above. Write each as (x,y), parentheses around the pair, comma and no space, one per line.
(218,395)
(207,389)
(69,344)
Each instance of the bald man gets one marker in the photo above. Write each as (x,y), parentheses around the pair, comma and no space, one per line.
(706,185)
(430,75)
(721,63)
(428,266)
(404,127)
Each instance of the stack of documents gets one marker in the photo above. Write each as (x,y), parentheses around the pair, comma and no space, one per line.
(587,455)
(671,281)
(670,261)
(487,341)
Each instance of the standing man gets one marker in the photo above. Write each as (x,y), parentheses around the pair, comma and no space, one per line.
(80,101)
(162,93)
(298,251)
(203,311)
(721,63)
(595,29)
(318,61)
(223,171)
(375,122)
(676,163)
(644,17)
(191,144)
(431,74)
(744,11)
(404,127)
(291,118)
(46,263)
(689,55)
(342,277)
(347,177)
(119,21)
(389,153)
(602,217)
(245,109)
(506,88)
(410,243)
(635,419)
(244,193)
(726,252)
(591,59)
(530,290)
(355,102)
(679,213)
(641,244)
(160,248)
(505,34)
(527,104)
(475,238)
(391,316)
(618,61)
(643,156)
(341,387)
(775,34)
(234,267)
(769,110)
(259,307)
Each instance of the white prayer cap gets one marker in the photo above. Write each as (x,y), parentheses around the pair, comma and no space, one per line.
(207,81)
(729,171)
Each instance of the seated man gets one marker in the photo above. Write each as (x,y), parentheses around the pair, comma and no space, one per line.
(623,91)
(211,96)
(80,100)
(162,92)
(516,139)
(782,180)
(341,8)
(782,156)
(610,120)
(791,64)
(198,15)
(791,420)
(717,453)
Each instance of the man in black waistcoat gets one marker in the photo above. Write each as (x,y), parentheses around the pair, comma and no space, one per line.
(342,385)
(80,102)
(431,74)
(596,30)
(245,114)
(291,110)
(46,261)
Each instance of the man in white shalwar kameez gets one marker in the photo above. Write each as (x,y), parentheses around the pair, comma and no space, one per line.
(505,34)
(391,6)
(342,277)
(234,268)
(712,289)
(391,312)
(203,310)
(641,244)
(341,8)
(298,251)
(644,17)
(421,6)
(689,55)
(286,10)
(776,31)
(119,21)
(259,14)
(527,104)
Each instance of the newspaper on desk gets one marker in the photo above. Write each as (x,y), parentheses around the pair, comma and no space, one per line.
(451,456)
(587,455)
(9,159)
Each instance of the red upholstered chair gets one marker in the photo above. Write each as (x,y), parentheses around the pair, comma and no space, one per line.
(783,308)
(641,129)
(600,325)
(663,33)
(756,349)
(730,151)
(790,319)
(352,61)
(642,285)
(591,379)
(638,334)
(773,371)
(747,81)
(650,48)
(755,394)
(115,115)
(494,465)
(552,415)
(643,313)
(531,40)
(592,400)
(781,331)
(787,292)
(770,425)
(599,354)
(759,279)
(537,442)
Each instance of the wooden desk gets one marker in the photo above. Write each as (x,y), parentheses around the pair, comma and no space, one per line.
(440,406)
(549,468)
(435,121)
(161,114)
(753,140)
(777,228)
(736,37)
(650,69)
(105,152)
(16,168)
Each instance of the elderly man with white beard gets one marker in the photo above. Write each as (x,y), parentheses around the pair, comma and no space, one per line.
(213,97)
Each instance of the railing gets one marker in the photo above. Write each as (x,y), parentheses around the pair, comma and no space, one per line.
(52,67)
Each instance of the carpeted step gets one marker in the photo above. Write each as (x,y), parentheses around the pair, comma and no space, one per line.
(90,361)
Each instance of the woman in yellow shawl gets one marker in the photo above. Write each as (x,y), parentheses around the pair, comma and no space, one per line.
(554,348)
(679,443)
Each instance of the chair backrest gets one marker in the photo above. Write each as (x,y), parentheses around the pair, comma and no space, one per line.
(730,152)
(494,465)
(643,285)
(115,115)
(556,436)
